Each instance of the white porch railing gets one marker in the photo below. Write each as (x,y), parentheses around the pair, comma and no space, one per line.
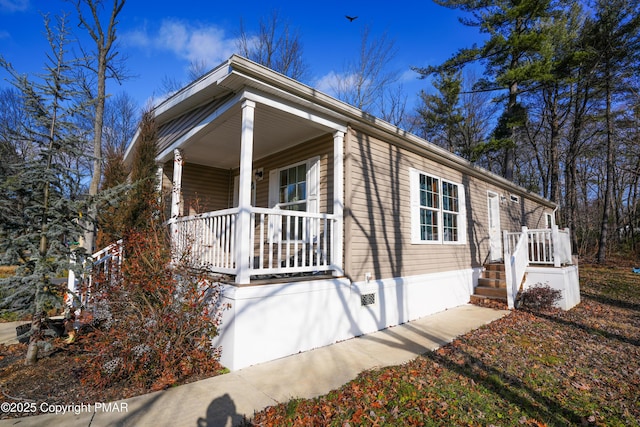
(550,246)
(516,258)
(282,241)
(208,238)
(106,263)
(544,247)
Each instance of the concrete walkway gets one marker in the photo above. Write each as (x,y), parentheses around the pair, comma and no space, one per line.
(225,399)
(8,332)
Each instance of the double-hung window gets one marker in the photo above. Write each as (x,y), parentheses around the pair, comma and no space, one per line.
(295,188)
(437,209)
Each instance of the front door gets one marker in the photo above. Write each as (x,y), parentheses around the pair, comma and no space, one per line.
(495,238)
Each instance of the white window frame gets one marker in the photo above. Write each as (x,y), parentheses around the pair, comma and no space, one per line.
(549,220)
(416,207)
(312,193)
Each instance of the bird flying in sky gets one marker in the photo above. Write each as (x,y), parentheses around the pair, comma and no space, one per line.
(350,18)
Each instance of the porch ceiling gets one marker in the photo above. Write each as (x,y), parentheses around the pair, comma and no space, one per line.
(218,145)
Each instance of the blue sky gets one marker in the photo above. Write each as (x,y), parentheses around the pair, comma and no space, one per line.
(160,38)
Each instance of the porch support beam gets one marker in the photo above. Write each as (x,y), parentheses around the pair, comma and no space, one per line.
(243,224)
(176,185)
(159,179)
(176,190)
(338,203)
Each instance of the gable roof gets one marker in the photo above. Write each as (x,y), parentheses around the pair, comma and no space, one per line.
(221,90)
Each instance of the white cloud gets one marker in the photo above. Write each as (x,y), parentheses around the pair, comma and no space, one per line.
(408,76)
(327,83)
(193,43)
(338,85)
(14,5)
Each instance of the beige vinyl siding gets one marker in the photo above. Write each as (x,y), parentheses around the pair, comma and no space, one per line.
(322,147)
(378,214)
(206,189)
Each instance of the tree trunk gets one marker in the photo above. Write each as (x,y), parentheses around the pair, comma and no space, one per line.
(510,152)
(554,161)
(608,193)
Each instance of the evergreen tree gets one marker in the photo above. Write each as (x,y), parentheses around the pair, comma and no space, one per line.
(510,56)
(39,221)
(142,199)
(440,112)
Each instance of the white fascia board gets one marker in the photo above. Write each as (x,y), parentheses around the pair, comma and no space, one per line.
(210,79)
(292,109)
(127,152)
(178,143)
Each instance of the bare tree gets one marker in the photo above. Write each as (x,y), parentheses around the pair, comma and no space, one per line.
(363,81)
(120,122)
(276,45)
(103,63)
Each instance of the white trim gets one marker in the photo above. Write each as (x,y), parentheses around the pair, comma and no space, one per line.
(176,187)
(243,229)
(294,110)
(338,202)
(312,190)
(196,129)
(496,246)
(415,206)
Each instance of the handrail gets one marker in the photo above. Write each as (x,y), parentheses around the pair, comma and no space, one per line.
(516,263)
(281,242)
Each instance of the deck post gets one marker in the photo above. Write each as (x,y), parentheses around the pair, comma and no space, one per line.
(338,203)
(555,242)
(243,224)
(176,187)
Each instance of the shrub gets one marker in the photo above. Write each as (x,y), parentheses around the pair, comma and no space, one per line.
(540,297)
(157,318)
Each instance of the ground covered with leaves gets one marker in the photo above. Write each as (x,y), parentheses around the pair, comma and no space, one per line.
(61,377)
(556,368)
(580,367)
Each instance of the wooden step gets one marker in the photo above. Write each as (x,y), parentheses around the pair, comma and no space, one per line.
(492,283)
(494,266)
(489,291)
(494,274)
(484,300)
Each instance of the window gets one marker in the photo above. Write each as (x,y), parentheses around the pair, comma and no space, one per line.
(437,212)
(295,188)
(548,219)
(292,194)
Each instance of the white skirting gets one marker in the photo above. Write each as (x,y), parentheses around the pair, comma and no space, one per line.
(268,322)
(564,279)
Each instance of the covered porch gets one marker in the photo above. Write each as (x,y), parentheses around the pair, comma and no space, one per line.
(253,183)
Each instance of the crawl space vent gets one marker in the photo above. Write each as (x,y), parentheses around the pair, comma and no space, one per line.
(367,299)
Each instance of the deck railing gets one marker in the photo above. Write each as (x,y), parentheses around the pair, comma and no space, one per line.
(538,247)
(549,246)
(282,241)
(104,264)
(208,239)
(516,259)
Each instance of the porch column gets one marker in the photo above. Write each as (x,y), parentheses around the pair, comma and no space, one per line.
(176,186)
(243,222)
(338,203)
(159,178)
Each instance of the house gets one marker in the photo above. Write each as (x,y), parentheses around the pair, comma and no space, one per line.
(326,223)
